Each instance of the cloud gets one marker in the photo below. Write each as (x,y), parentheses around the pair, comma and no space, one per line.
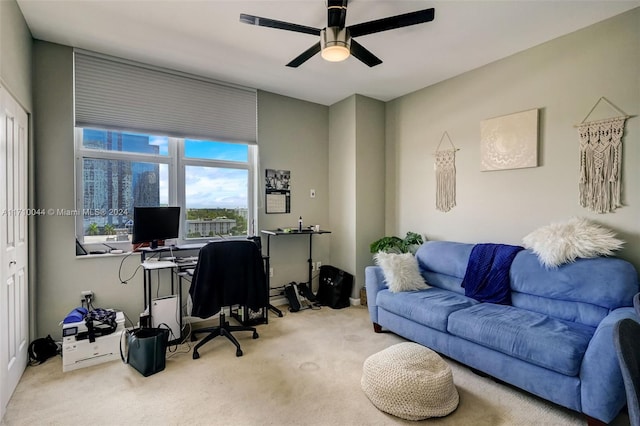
(209,187)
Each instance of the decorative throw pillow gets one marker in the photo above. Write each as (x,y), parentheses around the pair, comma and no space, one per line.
(560,243)
(400,271)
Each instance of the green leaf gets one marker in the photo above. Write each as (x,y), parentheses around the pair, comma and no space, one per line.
(394,244)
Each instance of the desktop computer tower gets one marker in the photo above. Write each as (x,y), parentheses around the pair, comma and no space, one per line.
(165,312)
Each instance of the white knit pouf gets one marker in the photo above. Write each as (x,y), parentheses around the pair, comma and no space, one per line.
(409,381)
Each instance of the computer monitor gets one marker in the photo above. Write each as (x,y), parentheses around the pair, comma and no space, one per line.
(151,224)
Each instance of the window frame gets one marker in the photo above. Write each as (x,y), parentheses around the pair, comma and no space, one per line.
(176,162)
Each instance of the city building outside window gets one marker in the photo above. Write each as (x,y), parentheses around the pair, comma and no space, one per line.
(212,182)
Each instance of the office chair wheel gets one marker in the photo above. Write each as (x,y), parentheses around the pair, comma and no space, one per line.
(255,335)
(196,355)
(239,352)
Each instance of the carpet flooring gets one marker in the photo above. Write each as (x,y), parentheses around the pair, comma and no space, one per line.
(304,369)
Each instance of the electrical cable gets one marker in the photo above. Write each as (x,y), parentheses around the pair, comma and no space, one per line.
(185,339)
(126,281)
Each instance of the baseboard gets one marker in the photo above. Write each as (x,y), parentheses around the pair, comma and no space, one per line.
(354,302)
(278,301)
(196,320)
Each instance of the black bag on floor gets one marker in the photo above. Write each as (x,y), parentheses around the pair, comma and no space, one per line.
(146,349)
(42,349)
(335,287)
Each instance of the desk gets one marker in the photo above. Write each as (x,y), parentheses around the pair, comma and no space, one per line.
(148,266)
(182,270)
(309,232)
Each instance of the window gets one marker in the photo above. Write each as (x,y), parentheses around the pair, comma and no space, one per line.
(213,183)
(211,174)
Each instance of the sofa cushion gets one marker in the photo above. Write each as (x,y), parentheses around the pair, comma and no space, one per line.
(530,336)
(444,257)
(429,307)
(585,280)
(580,312)
(442,281)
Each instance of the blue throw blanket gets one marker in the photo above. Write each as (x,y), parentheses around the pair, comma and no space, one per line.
(487,275)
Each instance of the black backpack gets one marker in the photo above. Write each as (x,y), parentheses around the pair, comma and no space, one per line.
(42,349)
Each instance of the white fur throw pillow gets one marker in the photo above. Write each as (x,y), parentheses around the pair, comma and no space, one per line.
(400,271)
(560,243)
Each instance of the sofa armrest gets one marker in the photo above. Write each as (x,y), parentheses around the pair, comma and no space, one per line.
(374,282)
(602,389)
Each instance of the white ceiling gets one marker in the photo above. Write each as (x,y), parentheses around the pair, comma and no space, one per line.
(205,37)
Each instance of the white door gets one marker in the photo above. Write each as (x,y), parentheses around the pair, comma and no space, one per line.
(14,315)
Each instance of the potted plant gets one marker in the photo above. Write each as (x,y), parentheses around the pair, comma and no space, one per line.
(408,244)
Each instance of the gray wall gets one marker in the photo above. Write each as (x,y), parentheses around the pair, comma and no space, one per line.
(62,276)
(563,78)
(15,53)
(370,167)
(293,135)
(356,182)
(342,183)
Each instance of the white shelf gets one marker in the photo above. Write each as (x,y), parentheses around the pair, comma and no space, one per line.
(158,264)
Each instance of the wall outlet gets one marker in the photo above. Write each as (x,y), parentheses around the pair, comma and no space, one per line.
(86,296)
(318,265)
(313,266)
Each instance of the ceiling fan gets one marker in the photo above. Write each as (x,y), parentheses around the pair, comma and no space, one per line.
(336,41)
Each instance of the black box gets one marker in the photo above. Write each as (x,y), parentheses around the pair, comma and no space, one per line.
(247,316)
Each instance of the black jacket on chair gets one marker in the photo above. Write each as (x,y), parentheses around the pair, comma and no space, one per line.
(228,273)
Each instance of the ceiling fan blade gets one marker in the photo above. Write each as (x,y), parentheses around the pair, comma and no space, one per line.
(363,54)
(304,56)
(392,22)
(336,13)
(281,25)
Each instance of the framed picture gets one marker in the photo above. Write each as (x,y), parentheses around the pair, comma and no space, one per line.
(510,141)
(277,191)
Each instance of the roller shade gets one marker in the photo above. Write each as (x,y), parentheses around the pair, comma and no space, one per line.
(121,95)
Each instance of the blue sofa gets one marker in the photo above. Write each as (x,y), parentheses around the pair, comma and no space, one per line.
(555,340)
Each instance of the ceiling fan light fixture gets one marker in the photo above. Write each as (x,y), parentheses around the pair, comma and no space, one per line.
(335,44)
(335,53)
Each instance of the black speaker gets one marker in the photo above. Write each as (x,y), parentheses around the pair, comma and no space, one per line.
(335,287)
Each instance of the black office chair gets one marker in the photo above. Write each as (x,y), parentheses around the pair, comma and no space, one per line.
(627,342)
(228,273)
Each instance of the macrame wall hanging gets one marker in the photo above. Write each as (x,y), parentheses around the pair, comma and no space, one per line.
(445,176)
(600,161)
